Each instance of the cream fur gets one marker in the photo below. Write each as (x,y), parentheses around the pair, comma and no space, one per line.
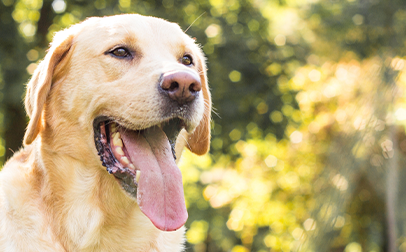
(54,193)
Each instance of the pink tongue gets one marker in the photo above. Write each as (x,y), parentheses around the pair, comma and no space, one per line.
(160,190)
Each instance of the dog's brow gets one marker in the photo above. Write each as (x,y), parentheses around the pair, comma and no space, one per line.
(125,28)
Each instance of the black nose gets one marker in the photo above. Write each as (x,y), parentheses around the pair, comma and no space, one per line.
(181,86)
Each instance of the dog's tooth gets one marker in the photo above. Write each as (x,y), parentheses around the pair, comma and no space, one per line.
(120,151)
(113,127)
(117,136)
(117,141)
(137,176)
(131,166)
(125,160)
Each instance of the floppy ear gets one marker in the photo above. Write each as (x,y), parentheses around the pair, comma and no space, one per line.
(40,84)
(199,140)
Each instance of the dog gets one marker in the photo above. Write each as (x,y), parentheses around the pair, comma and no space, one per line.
(111,107)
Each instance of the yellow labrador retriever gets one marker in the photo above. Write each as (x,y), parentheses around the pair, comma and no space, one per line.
(111,107)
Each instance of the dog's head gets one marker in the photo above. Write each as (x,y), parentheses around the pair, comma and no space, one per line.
(136,89)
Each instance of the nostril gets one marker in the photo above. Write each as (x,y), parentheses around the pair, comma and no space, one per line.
(174,85)
(193,88)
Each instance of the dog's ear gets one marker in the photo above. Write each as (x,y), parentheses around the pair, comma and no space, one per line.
(40,84)
(199,140)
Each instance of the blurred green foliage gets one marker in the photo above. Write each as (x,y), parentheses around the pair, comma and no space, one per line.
(308,127)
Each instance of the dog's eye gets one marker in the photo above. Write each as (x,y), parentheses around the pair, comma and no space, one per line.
(121,52)
(187,60)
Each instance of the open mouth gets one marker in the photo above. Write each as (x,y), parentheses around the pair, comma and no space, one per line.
(143,162)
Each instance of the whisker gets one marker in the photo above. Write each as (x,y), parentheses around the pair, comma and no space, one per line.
(194,21)
(186,141)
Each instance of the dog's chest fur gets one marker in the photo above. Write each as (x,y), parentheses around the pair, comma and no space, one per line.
(28,208)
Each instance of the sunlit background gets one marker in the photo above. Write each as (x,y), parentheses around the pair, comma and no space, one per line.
(308,147)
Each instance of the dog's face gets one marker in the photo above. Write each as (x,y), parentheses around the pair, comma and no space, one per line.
(136,89)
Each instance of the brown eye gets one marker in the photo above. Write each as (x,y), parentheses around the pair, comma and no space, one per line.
(187,60)
(121,52)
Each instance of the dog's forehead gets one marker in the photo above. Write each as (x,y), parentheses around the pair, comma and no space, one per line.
(132,27)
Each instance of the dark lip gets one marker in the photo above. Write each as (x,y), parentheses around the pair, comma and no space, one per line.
(97,133)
